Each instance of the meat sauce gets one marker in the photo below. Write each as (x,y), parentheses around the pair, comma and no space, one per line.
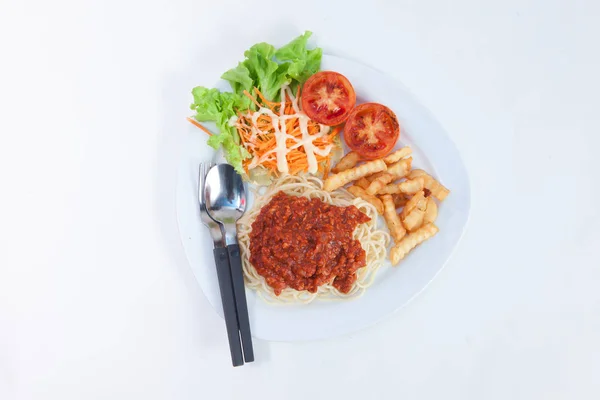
(305,243)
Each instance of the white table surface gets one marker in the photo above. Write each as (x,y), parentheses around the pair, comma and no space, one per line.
(97,300)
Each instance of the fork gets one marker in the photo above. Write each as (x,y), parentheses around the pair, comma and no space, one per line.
(223,272)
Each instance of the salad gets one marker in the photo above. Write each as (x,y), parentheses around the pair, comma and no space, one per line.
(283,115)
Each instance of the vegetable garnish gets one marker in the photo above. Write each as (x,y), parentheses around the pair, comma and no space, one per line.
(282,139)
(371,130)
(265,69)
(220,107)
(328,97)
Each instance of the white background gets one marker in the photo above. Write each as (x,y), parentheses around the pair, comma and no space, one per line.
(97,300)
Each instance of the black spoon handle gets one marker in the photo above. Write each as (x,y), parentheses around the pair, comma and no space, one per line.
(229,309)
(237,277)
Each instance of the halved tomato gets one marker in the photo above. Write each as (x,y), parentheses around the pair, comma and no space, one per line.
(371,130)
(328,98)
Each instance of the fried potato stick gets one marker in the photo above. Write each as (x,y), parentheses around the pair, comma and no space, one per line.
(414,219)
(362,183)
(357,191)
(399,200)
(431,211)
(392,188)
(348,161)
(374,176)
(379,183)
(401,168)
(412,204)
(338,180)
(413,214)
(392,219)
(397,155)
(409,187)
(437,189)
(412,240)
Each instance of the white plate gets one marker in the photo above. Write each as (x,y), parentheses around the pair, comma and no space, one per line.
(394,286)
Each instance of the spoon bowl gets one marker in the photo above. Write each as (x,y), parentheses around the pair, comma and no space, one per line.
(225,197)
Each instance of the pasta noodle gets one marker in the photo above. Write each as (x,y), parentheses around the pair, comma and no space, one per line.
(373,240)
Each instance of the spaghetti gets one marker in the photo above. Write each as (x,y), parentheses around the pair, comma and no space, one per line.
(372,240)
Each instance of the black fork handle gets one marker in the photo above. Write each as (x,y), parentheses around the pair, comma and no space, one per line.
(229,308)
(237,277)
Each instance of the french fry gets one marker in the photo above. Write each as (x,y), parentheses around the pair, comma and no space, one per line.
(410,187)
(414,219)
(362,183)
(401,168)
(413,213)
(359,192)
(415,173)
(374,176)
(412,240)
(392,188)
(397,155)
(417,200)
(437,189)
(348,161)
(391,218)
(399,200)
(338,180)
(379,183)
(431,211)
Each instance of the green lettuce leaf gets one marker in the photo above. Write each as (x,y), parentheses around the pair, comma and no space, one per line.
(217,106)
(260,70)
(294,49)
(234,153)
(267,69)
(303,62)
(220,107)
(239,78)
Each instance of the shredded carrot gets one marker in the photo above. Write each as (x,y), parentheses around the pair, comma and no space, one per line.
(199,125)
(336,130)
(251,98)
(270,104)
(258,137)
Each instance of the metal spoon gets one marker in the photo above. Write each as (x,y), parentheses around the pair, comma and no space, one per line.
(225,197)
